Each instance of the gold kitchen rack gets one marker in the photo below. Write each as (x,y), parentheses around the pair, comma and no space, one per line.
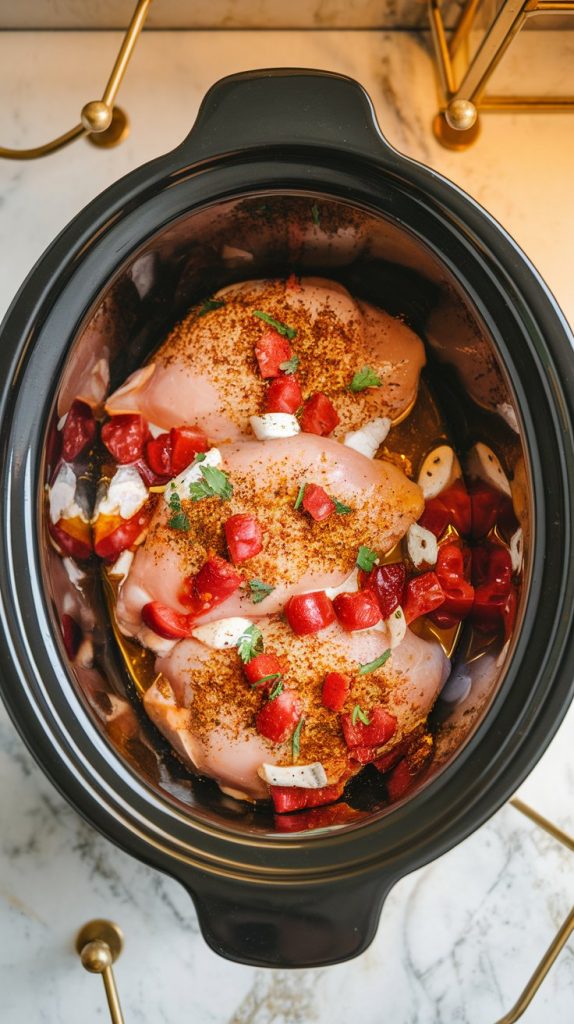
(463,81)
(99,943)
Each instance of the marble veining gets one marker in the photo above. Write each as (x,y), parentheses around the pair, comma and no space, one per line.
(459,937)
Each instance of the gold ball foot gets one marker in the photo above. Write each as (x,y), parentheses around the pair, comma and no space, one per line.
(456,139)
(99,944)
(461,114)
(116,132)
(96,116)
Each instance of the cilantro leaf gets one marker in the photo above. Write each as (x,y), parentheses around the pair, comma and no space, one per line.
(315,214)
(180,521)
(290,365)
(250,644)
(209,305)
(215,483)
(372,666)
(287,332)
(340,508)
(277,689)
(299,497)
(296,739)
(363,379)
(359,714)
(274,677)
(259,590)
(366,558)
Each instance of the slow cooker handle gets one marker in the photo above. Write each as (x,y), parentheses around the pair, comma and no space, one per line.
(285,106)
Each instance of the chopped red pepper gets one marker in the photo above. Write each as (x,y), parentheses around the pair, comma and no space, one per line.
(495,599)
(456,500)
(170,453)
(214,583)
(278,717)
(387,583)
(458,593)
(490,508)
(491,563)
(72,635)
(165,621)
(336,689)
(316,817)
(387,761)
(357,611)
(422,595)
(319,415)
(271,350)
(283,395)
(158,455)
(266,664)
(73,537)
(244,537)
(308,613)
(112,535)
(435,517)
(78,431)
(317,502)
(295,798)
(400,780)
(124,436)
(382,726)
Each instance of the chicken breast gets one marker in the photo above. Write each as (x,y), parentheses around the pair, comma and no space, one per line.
(205,708)
(298,553)
(206,372)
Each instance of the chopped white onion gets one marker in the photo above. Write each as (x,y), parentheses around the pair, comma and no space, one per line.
(223,633)
(122,566)
(517,550)
(484,464)
(301,776)
(273,425)
(439,470)
(62,496)
(422,546)
(125,494)
(371,435)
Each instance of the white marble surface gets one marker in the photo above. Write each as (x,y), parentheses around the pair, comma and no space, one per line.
(459,938)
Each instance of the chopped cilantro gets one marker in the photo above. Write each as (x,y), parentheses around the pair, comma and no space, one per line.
(250,644)
(274,677)
(259,590)
(277,689)
(372,666)
(341,509)
(209,305)
(215,483)
(366,558)
(299,497)
(290,365)
(296,740)
(179,520)
(315,214)
(287,332)
(365,378)
(359,715)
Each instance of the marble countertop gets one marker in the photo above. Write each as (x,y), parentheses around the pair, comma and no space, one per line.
(459,938)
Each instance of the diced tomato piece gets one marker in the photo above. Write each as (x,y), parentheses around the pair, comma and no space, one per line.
(158,454)
(336,689)
(495,604)
(78,431)
(295,798)
(491,563)
(384,763)
(214,583)
(186,442)
(244,537)
(125,436)
(271,350)
(73,537)
(317,502)
(382,726)
(357,611)
(458,593)
(486,505)
(112,535)
(317,817)
(165,621)
(456,500)
(308,613)
(278,717)
(72,636)
(319,415)
(387,583)
(422,595)
(364,755)
(266,664)
(400,780)
(435,517)
(284,395)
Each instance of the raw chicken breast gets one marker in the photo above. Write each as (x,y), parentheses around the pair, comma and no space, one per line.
(206,372)
(204,706)
(298,553)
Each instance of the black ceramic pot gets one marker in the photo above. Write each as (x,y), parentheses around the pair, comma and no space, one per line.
(232,201)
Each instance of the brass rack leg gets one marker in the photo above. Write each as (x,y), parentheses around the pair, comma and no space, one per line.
(99,944)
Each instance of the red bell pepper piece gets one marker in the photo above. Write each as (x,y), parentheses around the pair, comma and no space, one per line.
(125,436)
(317,502)
(266,664)
(488,506)
(458,593)
(456,500)
(78,431)
(244,537)
(72,635)
(387,582)
(165,621)
(283,395)
(357,611)
(491,563)
(422,595)
(170,453)
(336,689)
(319,415)
(278,717)
(158,455)
(271,350)
(382,726)
(73,537)
(400,780)
(214,583)
(294,798)
(113,535)
(435,517)
(308,613)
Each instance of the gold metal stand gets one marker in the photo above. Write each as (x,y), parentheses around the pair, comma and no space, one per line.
(99,944)
(457,124)
(103,123)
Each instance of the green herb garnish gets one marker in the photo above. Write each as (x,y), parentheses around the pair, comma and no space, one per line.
(274,677)
(287,332)
(366,558)
(341,509)
(299,497)
(363,379)
(214,484)
(315,215)
(250,644)
(372,666)
(296,740)
(179,520)
(259,590)
(290,365)
(209,305)
(359,716)
(277,689)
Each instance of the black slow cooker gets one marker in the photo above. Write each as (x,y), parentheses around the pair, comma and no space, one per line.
(232,202)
